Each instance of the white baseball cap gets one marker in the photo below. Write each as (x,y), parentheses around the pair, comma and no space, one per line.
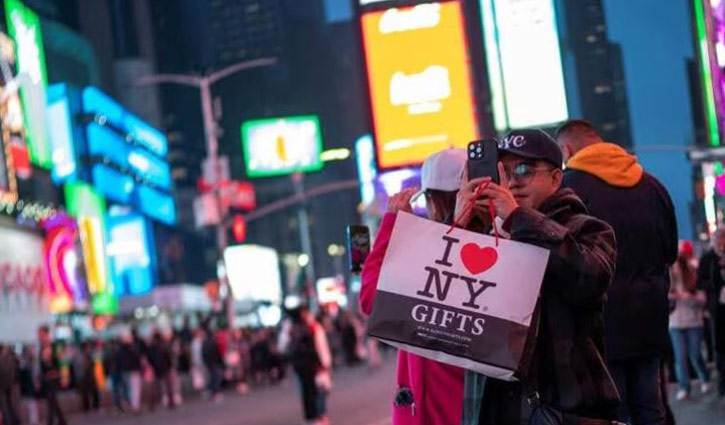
(443,171)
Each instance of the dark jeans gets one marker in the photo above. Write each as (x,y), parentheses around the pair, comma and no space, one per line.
(9,406)
(313,399)
(163,387)
(688,343)
(638,382)
(216,374)
(120,391)
(89,394)
(54,414)
(720,363)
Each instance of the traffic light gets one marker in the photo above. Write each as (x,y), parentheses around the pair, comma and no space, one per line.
(239,228)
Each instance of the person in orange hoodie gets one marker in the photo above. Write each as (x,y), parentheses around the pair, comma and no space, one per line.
(615,188)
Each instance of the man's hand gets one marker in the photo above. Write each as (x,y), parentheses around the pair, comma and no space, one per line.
(465,202)
(503,200)
(401,201)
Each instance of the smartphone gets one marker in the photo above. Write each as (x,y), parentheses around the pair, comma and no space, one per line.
(483,159)
(358,246)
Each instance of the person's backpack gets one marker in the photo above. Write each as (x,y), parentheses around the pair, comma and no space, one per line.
(302,353)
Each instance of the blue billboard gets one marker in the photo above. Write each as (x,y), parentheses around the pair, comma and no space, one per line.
(131,252)
(98,103)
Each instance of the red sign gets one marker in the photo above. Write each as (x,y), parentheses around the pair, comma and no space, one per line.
(239,228)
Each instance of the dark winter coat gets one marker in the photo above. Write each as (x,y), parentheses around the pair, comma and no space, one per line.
(636,316)
(710,279)
(566,366)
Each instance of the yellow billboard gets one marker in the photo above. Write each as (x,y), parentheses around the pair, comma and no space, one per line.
(420,81)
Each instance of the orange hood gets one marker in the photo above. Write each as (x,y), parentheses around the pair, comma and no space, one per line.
(609,162)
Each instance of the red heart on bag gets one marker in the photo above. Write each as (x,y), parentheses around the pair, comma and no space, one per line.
(476,259)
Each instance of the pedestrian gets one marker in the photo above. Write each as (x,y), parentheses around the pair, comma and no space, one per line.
(119,389)
(214,363)
(130,365)
(50,377)
(9,403)
(198,368)
(563,372)
(428,392)
(159,356)
(686,326)
(85,377)
(29,388)
(305,342)
(711,278)
(615,188)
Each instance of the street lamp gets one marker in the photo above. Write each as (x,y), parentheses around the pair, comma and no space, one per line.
(204,83)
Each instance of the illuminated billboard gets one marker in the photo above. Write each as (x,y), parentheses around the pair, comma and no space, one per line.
(140,132)
(24,28)
(280,146)
(60,123)
(253,273)
(64,266)
(420,83)
(710,32)
(524,63)
(130,252)
(89,209)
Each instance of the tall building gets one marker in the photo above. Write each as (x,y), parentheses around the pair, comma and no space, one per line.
(594,70)
(307,80)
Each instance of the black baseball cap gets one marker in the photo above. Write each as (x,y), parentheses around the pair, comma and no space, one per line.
(532,144)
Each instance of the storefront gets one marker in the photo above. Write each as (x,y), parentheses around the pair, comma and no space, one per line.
(24,301)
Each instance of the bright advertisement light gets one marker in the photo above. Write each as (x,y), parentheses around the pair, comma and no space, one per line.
(524,63)
(710,71)
(420,83)
(24,28)
(97,102)
(130,252)
(709,182)
(61,134)
(331,290)
(366,170)
(253,273)
(280,146)
(89,209)
(64,265)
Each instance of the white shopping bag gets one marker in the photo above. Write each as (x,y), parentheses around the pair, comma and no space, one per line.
(457,297)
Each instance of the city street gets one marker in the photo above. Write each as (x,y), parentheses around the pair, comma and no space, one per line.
(360,397)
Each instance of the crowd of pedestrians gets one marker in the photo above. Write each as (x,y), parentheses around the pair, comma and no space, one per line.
(158,370)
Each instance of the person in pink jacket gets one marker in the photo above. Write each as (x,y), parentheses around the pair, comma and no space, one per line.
(428,392)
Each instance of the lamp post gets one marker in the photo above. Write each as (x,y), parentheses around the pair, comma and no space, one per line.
(204,84)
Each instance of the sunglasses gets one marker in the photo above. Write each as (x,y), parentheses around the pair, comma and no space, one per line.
(524,172)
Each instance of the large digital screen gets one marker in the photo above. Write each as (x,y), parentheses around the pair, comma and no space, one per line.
(64,265)
(89,209)
(710,32)
(106,143)
(524,63)
(24,28)
(156,204)
(420,82)
(253,273)
(130,251)
(60,123)
(99,103)
(280,146)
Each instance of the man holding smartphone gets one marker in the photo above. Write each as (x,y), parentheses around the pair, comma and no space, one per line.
(562,370)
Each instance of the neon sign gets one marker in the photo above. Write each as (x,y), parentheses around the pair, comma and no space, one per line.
(24,27)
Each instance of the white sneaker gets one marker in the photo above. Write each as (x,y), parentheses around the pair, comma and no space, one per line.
(682,395)
(706,387)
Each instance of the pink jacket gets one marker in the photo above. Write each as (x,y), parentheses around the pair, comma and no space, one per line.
(437,388)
